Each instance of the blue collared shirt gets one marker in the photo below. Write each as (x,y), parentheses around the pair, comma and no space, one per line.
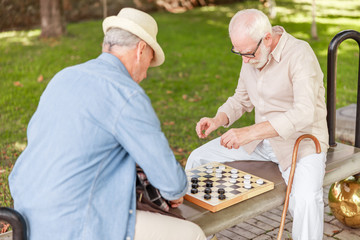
(76,178)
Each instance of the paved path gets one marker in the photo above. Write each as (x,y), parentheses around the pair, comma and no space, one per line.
(266,226)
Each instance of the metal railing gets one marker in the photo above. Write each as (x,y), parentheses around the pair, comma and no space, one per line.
(331,85)
(17,222)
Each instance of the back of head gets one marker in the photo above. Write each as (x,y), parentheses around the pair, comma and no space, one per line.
(250,22)
(119,37)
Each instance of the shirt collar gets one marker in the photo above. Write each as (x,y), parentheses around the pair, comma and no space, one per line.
(276,53)
(114,61)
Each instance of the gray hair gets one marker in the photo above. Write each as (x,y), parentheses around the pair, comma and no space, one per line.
(252,22)
(120,37)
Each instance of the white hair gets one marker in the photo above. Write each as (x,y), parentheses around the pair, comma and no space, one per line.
(120,37)
(250,22)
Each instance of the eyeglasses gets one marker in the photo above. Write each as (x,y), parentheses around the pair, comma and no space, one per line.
(248,55)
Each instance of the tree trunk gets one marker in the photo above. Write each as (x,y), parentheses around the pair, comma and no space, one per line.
(52,18)
(313,24)
(104,2)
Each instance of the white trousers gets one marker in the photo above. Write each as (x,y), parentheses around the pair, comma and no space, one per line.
(156,226)
(306,204)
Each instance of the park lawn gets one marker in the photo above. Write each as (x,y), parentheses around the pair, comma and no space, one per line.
(198,75)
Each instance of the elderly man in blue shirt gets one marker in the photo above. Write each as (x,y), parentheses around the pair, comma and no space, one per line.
(76,178)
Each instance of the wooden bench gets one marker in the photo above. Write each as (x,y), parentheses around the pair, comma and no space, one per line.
(342,162)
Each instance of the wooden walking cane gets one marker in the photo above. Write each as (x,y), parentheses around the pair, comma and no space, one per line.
(291,177)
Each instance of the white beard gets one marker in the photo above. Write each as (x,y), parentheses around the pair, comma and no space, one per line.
(259,63)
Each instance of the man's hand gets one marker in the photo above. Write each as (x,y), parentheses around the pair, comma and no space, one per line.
(207,125)
(236,137)
(176,203)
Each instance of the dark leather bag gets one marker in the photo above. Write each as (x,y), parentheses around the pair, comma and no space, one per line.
(148,197)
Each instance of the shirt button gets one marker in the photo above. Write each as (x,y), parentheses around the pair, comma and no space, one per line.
(128,238)
(131,211)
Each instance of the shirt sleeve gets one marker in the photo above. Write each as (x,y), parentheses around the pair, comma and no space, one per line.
(236,105)
(138,131)
(306,77)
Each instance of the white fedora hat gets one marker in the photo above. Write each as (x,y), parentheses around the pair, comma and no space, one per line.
(140,24)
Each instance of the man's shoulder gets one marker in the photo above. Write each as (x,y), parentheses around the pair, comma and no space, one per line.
(99,72)
(297,45)
(97,79)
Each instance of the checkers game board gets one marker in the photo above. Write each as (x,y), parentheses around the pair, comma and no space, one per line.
(215,186)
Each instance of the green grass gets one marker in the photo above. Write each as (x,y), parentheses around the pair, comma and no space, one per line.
(197,77)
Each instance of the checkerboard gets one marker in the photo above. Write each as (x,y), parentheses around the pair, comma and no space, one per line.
(206,181)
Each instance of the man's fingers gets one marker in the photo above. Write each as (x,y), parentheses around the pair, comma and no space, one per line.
(176,203)
(229,140)
(201,127)
(225,140)
(197,129)
(209,130)
(236,146)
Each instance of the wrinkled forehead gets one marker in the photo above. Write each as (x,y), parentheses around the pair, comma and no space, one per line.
(239,35)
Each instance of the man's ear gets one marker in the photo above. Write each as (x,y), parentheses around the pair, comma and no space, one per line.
(267,39)
(140,49)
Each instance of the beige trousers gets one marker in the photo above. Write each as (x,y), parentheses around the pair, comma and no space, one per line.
(154,226)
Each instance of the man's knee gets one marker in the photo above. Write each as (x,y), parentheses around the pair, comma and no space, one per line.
(303,199)
(194,159)
(156,226)
(194,231)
